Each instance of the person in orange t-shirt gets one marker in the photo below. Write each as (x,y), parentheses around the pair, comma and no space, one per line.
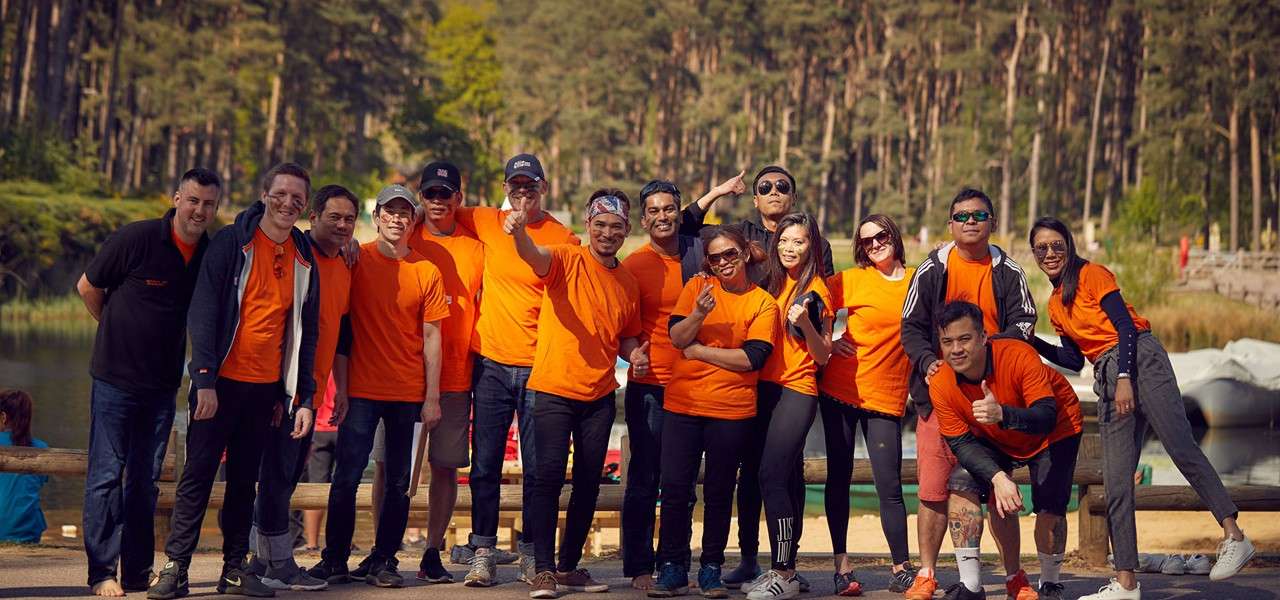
(398,300)
(998,408)
(865,385)
(1136,388)
(725,328)
(504,341)
(589,318)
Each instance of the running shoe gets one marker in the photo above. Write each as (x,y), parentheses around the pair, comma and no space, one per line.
(236,582)
(330,572)
(1019,588)
(483,571)
(431,570)
(170,583)
(528,568)
(544,585)
(957,591)
(760,579)
(1199,564)
(460,554)
(710,583)
(846,584)
(1051,590)
(1173,565)
(775,587)
(922,588)
(1115,591)
(1233,555)
(292,577)
(672,581)
(579,580)
(384,574)
(902,580)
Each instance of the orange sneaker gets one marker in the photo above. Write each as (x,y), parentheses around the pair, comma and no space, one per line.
(922,588)
(1019,588)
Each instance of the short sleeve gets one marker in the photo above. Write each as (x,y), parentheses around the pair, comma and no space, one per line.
(764,325)
(689,295)
(562,257)
(1098,280)
(835,285)
(110,267)
(829,306)
(1032,378)
(435,303)
(945,399)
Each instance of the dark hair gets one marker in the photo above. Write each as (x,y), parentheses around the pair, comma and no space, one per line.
(621,195)
(812,266)
(285,168)
(774,169)
(328,192)
(734,234)
(1069,280)
(16,405)
(202,176)
(958,309)
(659,186)
(970,194)
(885,223)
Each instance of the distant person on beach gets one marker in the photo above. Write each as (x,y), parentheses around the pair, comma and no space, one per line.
(253,324)
(21,519)
(1136,388)
(138,287)
(999,408)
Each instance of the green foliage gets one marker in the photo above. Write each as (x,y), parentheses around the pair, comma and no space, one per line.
(29,153)
(1143,271)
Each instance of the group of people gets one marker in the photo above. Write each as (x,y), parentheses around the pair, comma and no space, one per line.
(457,319)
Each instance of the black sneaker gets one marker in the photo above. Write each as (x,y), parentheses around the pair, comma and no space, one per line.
(901,581)
(1050,590)
(237,582)
(383,574)
(959,592)
(744,572)
(431,570)
(331,572)
(171,583)
(137,585)
(366,566)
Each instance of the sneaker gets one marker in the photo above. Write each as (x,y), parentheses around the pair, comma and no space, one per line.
(482,571)
(528,568)
(460,554)
(1019,588)
(292,577)
(237,582)
(804,583)
(1150,563)
(1233,555)
(709,582)
(760,580)
(744,572)
(1173,565)
(1051,590)
(544,586)
(847,584)
(775,587)
(672,581)
(957,591)
(431,570)
(170,583)
(1199,564)
(1115,591)
(922,588)
(384,574)
(902,580)
(363,569)
(579,580)
(139,585)
(332,573)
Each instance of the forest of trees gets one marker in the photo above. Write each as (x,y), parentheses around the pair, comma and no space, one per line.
(1159,117)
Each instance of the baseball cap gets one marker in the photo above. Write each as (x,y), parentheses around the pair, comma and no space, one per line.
(443,174)
(524,164)
(396,190)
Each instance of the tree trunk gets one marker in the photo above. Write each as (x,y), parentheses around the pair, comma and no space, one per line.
(24,45)
(108,117)
(273,111)
(1010,104)
(1042,75)
(1142,104)
(1255,166)
(1093,132)
(828,136)
(40,64)
(1233,148)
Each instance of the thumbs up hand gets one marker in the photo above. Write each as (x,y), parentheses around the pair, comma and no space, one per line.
(986,410)
(799,312)
(640,359)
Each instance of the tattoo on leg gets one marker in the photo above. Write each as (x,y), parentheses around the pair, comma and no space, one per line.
(1059,544)
(966,526)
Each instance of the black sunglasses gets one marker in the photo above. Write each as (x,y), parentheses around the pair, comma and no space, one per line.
(729,255)
(436,193)
(978,216)
(782,185)
(1042,250)
(882,238)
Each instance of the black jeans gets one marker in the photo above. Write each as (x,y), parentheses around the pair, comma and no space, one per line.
(283,461)
(556,419)
(644,415)
(685,440)
(355,441)
(240,428)
(782,474)
(883,435)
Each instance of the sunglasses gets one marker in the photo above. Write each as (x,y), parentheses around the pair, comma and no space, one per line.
(438,194)
(883,239)
(782,185)
(729,255)
(978,216)
(1042,250)
(278,262)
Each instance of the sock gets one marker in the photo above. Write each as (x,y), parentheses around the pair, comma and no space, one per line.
(1050,567)
(970,568)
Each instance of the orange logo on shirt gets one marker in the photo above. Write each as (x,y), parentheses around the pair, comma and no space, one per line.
(156,282)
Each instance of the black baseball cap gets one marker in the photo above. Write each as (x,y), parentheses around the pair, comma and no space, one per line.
(524,164)
(441,173)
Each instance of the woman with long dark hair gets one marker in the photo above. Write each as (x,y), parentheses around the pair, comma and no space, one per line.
(865,385)
(1136,387)
(21,519)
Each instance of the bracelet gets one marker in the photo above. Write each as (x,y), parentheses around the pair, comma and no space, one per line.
(1122,376)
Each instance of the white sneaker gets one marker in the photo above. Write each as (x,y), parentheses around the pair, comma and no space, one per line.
(1115,591)
(1199,564)
(760,580)
(1174,565)
(1232,556)
(1150,563)
(775,587)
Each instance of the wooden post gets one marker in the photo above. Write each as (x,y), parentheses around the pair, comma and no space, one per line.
(1093,523)
(168,472)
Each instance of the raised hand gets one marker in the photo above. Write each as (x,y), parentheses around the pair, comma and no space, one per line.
(706,301)
(986,410)
(799,313)
(516,219)
(732,185)
(639,359)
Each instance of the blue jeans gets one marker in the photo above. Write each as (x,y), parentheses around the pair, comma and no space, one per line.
(127,431)
(643,409)
(355,441)
(500,394)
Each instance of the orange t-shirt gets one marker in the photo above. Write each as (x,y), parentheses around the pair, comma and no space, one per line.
(187,250)
(1085,322)
(335,298)
(790,365)
(507,330)
(702,389)
(1070,419)
(1018,378)
(971,281)
(660,282)
(256,351)
(875,377)
(460,259)
(586,311)
(390,300)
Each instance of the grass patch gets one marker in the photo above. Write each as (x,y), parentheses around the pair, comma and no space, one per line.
(1187,321)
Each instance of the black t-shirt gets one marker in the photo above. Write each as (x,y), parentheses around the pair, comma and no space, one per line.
(141,342)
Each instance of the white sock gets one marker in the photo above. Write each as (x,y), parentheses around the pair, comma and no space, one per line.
(970,566)
(1050,567)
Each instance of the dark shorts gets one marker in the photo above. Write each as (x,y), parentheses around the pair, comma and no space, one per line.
(1051,473)
(320,463)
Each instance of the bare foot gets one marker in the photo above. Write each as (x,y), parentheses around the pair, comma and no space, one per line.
(642,582)
(108,587)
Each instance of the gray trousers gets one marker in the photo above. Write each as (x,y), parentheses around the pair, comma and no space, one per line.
(1158,403)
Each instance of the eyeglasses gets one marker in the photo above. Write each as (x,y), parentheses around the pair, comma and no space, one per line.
(883,238)
(437,194)
(1042,250)
(782,185)
(729,255)
(978,216)
(278,262)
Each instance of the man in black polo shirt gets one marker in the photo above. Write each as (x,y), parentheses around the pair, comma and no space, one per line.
(138,287)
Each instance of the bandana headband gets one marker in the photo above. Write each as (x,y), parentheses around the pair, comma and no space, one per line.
(607,204)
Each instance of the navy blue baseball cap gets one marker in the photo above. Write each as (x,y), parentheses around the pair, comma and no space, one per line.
(525,164)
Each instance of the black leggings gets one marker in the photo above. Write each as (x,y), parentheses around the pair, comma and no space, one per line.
(781,475)
(685,440)
(883,435)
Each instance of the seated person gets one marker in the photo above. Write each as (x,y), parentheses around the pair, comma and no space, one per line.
(21,519)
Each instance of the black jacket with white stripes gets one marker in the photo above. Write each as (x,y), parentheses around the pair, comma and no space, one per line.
(1016,312)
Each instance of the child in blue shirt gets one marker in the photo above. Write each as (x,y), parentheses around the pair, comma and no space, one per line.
(21,519)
